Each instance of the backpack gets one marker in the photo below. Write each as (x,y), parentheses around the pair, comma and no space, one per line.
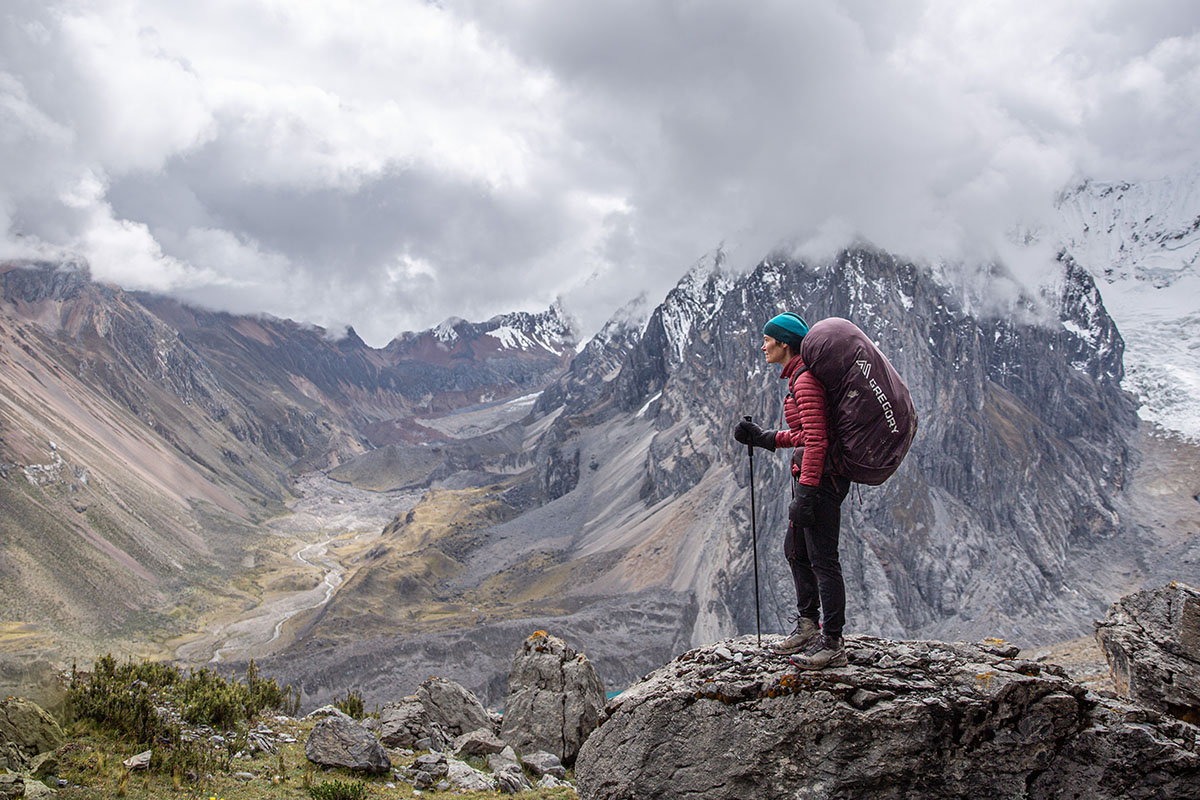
(871,416)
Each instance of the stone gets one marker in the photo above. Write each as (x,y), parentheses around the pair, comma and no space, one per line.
(551,782)
(481,742)
(43,765)
(261,743)
(467,778)
(12,758)
(28,729)
(542,763)
(327,711)
(497,762)
(342,742)
(943,721)
(407,724)
(554,699)
(428,770)
(12,786)
(1151,640)
(512,780)
(139,761)
(38,789)
(452,707)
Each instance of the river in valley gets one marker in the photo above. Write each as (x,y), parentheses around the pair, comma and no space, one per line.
(330,522)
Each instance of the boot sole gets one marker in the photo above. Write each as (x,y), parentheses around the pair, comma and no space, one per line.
(787,651)
(836,661)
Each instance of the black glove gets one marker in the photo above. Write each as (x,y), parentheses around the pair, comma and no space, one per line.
(803,512)
(747,432)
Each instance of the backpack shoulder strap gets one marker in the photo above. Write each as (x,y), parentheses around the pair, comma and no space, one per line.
(792,382)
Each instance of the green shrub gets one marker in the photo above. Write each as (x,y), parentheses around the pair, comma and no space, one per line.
(338,790)
(351,704)
(207,698)
(123,700)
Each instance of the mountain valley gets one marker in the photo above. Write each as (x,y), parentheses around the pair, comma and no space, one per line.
(199,486)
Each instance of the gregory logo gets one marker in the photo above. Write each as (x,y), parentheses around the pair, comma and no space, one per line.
(884,403)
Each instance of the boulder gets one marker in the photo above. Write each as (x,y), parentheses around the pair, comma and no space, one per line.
(902,719)
(512,780)
(327,711)
(1151,640)
(551,782)
(406,723)
(482,742)
(542,763)
(12,786)
(554,698)
(43,765)
(35,789)
(467,778)
(452,707)
(428,770)
(26,730)
(12,757)
(342,742)
(499,762)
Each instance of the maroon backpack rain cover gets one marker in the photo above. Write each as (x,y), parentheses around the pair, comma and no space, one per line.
(871,416)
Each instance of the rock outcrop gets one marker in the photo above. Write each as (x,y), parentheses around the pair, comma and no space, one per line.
(903,719)
(406,723)
(338,741)
(554,698)
(1151,640)
(453,708)
(434,717)
(12,786)
(26,731)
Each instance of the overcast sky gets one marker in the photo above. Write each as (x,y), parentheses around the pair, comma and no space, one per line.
(388,164)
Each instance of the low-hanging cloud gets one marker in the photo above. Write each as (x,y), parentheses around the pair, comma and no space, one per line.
(388,164)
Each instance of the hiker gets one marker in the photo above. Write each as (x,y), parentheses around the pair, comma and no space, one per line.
(814,518)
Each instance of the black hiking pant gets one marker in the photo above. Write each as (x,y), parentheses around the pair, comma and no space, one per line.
(812,554)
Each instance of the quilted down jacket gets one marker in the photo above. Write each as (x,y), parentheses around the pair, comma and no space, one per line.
(804,410)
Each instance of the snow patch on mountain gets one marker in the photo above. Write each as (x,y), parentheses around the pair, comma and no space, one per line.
(446,332)
(552,330)
(515,339)
(1141,243)
(695,301)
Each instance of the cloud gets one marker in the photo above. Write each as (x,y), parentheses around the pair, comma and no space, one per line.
(390,163)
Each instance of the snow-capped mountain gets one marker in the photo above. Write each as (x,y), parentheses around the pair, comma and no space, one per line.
(1141,242)
(552,331)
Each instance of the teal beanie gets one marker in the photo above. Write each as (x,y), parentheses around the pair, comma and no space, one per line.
(787,327)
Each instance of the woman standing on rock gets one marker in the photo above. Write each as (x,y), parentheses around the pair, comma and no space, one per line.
(815,515)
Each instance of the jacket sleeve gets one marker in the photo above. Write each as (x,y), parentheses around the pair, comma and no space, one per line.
(813,433)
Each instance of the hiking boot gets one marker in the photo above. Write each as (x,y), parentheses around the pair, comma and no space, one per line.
(824,651)
(798,639)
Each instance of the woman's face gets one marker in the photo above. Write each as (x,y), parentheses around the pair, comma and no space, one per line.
(776,351)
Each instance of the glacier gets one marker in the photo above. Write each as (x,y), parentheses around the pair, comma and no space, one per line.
(1141,243)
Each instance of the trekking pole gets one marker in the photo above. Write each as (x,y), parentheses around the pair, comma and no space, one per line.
(754,540)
